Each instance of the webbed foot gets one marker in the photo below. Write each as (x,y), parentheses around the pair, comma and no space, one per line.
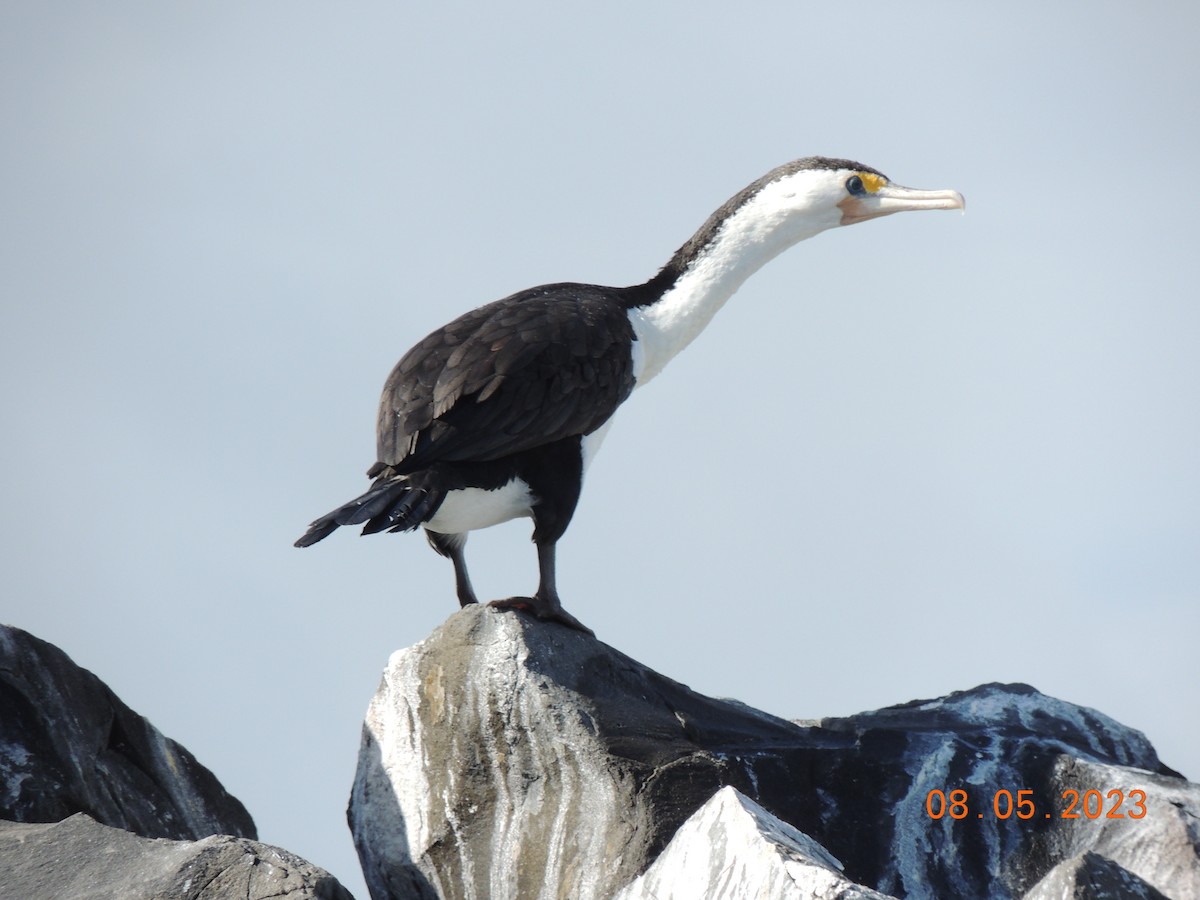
(547,610)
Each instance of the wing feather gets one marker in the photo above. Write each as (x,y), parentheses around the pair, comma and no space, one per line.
(533,368)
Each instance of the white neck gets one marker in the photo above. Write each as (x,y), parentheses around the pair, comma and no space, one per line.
(766,225)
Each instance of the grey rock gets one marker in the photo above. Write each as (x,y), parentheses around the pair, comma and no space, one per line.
(731,848)
(505,757)
(69,745)
(1091,876)
(80,859)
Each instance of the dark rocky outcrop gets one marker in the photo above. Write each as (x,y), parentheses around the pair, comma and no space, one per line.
(68,745)
(99,805)
(503,757)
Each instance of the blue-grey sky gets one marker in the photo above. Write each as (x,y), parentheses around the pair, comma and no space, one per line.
(909,457)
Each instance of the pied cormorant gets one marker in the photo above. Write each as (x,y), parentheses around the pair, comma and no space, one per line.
(497,415)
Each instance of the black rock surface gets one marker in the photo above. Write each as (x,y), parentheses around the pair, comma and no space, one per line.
(68,745)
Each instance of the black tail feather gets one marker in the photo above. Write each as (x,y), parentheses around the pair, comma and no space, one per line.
(319,530)
(408,511)
(394,505)
(368,506)
(418,506)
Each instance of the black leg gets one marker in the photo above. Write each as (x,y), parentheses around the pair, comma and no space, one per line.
(547,572)
(454,547)
(545,603)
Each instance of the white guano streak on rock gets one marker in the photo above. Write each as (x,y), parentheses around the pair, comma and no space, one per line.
(501,733)
(1034,709)
(990,774)
(524,766)
(398,740)
(912,846)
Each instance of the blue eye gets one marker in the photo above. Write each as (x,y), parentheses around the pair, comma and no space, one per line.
(855,186)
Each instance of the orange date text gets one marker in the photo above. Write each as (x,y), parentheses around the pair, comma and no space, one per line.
(1006,804)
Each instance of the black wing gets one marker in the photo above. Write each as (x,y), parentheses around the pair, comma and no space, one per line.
(536,367)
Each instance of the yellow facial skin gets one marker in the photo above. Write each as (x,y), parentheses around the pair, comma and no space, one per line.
(871,181)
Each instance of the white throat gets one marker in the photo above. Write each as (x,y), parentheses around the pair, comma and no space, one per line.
(766,225)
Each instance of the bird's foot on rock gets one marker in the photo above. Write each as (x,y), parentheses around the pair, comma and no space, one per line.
(547,610)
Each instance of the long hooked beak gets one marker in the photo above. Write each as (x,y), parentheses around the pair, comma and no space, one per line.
(892,198)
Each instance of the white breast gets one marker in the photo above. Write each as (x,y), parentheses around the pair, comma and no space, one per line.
(470,508)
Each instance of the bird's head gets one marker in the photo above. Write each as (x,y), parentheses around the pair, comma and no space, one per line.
(790,203)
(867,194)
(798,200)
(818,193)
